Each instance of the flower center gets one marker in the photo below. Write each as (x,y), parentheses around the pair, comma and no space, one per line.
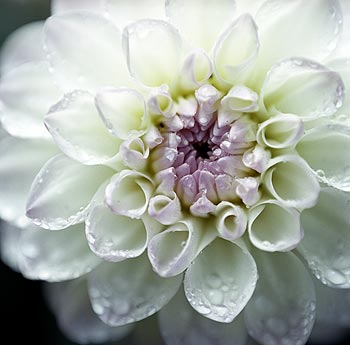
(205,153)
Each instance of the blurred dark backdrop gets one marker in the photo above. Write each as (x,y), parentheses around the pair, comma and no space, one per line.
(26,318)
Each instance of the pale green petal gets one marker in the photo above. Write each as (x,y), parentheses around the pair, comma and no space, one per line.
(302,87)
(151,63)
(282,309)
(291,181)
(129,291)
(327,151)
(274,227)
(327,238)
(219,290)
(181,325)
(71,306)
(55,255)
(78,130)
(62,192)
(199,24)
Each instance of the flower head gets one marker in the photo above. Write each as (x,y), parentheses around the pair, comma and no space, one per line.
(200,150)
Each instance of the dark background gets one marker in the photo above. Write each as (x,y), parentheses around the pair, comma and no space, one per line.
(26,317)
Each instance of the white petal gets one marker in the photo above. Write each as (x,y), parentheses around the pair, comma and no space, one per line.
(134,153)
(218,290)
(20,161)
(62,6)
(181,325)
(160,102)
(196,70)
(78,130)
(342,66)
(129,291)
(166,210)
(302,87)
(124,12)
(113,237)
(327,151)
(327,238)
(172,251)
(282,309)
(26,93)
(290,180)
(333,305)
(55,255)
(62,191)
(23,45)
(318,27)
(274,227)
(151,63)
(230,62)
(241,99)
(71,305)
(200,24)
(84,51)
(122,110)
(9,248)
(280,131)
(128,193)
(248,6)
(231,220)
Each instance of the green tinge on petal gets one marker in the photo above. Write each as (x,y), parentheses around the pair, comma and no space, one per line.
(327,151)
(290,180)
(274,227)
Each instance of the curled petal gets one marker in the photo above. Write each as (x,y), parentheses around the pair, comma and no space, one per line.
(232,64)
(274,227)
(202,206)
(196,70)
(241,99)
(226,187)
(283,305)
(122,110)
(62,192)
(327,151)
(166,180)
(214,17)
(256,158)
(281,131)
(129,291)
(148,61)
(107,238)
(290,180)
(248,190)
(128,193)
(327,238)
(153,137)
(160,102)
(166,210)
(62,6)
(78,130)
(231,220)
(302,87)
(171,251)
(70,55)
(55,255)
(134,153)
(217,290)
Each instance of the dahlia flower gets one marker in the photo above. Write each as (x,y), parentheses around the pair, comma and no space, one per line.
(192,159)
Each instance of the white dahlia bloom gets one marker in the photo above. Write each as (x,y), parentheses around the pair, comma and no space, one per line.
(201,147)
